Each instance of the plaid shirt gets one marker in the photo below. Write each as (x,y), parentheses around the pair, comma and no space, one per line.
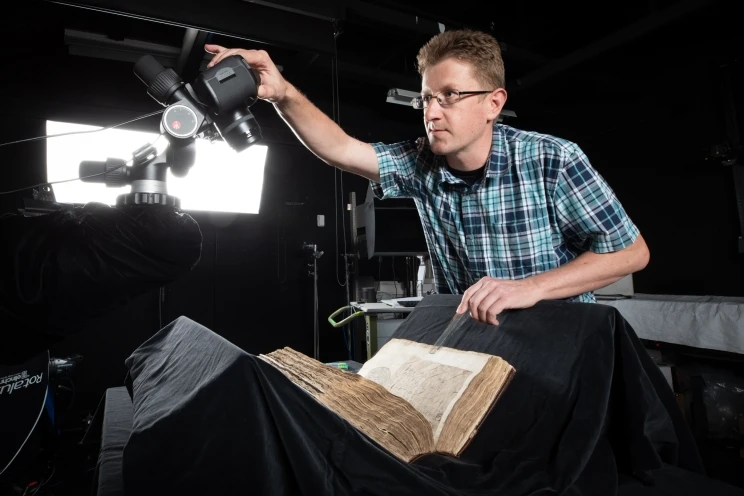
(539,206)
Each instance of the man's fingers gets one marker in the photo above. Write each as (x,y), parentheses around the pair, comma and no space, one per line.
(217,50)
(464,301)
(475,302)
(486,304)
(214,48)
(222,55)
(217,58)
(257,59)
(495,310)
(467,295)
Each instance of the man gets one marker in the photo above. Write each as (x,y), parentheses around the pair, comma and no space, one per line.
(510,217)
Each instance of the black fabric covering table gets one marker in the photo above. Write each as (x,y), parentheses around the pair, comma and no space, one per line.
(115,419)
(588,412)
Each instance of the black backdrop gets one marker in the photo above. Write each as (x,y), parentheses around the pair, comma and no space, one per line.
(645,117)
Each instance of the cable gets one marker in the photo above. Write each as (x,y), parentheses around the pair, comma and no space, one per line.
(379,274)
(214,285)
(338,175)
(281,239)
(82,132)
(76,178)
(337,118)
(395,279)
(40,484)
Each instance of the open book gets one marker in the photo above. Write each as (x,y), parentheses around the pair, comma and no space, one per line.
(408,400)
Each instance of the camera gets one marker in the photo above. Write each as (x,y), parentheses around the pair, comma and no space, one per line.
(216,105)
(219,97)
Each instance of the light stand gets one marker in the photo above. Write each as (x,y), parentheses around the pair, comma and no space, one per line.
(313,249)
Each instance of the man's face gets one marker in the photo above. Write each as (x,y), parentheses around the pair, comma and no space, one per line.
(457,127)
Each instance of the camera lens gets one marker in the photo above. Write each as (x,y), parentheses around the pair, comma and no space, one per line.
(239,129)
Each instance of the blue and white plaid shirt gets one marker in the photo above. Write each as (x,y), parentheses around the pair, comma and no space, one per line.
(540,205)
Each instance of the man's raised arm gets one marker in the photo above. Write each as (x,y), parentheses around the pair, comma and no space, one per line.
(314,129)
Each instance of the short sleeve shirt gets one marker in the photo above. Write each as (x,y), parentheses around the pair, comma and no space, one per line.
(539,205)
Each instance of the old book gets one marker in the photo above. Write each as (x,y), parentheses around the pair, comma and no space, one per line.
(410,401)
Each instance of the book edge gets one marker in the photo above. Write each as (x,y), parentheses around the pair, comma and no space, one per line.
(474,431)
(318,393)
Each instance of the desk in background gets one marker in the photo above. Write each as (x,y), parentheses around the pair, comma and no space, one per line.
(377,331)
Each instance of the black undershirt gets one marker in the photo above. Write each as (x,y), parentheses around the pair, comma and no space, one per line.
(470,177)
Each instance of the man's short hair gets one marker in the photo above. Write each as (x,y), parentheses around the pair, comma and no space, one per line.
(479,49)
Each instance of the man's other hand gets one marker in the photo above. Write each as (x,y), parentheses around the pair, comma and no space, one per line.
(487,298)
(272,85)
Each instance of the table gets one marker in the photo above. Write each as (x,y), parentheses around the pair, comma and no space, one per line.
(705,322)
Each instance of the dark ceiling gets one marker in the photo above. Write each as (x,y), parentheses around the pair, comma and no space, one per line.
(556,53)
(378,39)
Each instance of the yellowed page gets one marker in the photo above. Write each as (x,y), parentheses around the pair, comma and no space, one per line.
(431,382)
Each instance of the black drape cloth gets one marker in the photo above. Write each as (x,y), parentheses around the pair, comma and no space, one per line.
(586,410)
(59,270)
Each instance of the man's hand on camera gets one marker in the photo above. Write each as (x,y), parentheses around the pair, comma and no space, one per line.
(487,298)
(273,86)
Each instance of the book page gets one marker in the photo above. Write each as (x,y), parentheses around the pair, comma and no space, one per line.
(431,383)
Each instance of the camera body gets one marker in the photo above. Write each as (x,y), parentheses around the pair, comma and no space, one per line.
(218,98)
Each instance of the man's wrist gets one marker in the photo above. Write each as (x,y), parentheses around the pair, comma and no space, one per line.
(540,289)
(290,96)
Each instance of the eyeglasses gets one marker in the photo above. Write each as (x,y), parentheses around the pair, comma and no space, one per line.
(444,98)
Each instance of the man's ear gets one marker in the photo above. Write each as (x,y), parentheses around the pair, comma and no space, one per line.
(496,102)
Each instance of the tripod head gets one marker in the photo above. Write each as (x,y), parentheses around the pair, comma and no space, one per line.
(215,107)
(147,174)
